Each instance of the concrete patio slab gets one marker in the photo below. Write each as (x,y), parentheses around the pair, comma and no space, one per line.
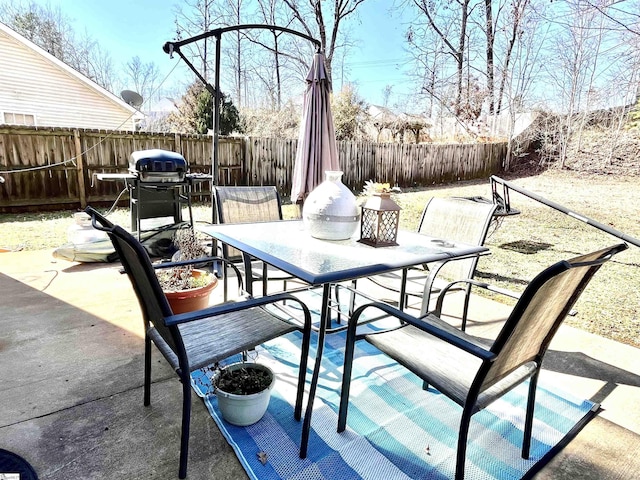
(71,351)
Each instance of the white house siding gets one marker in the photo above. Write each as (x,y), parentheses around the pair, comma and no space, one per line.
(31,83)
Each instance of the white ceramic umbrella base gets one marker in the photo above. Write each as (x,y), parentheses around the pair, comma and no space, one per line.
(330,211)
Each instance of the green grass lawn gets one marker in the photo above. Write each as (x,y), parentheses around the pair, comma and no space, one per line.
(521,245)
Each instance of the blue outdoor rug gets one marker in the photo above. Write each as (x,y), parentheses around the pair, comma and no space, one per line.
(395,430)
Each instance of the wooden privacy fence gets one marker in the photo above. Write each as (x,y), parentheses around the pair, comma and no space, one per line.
(54,168)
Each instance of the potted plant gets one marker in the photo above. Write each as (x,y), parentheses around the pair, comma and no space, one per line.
(187,288)
(243,390)
(378,188)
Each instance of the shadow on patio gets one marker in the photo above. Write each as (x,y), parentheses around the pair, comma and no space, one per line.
(71,384)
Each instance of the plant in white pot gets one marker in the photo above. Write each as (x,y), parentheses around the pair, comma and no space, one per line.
(243,390)
(187,288)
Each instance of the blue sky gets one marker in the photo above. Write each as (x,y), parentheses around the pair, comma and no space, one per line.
(126,28)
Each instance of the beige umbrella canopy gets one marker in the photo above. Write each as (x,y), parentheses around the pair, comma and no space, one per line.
(317,151)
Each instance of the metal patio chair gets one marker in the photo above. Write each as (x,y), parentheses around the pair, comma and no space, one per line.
(466,370)
(197,339)
(246,205)
(451,219)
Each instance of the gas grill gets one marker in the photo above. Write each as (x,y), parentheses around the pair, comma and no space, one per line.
(159,185)
(158,166)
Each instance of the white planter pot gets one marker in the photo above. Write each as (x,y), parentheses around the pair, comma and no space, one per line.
(243,410)
(330,211)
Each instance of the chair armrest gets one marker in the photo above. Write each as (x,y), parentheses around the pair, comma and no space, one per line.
(456,340)
(237,306)
(475,283)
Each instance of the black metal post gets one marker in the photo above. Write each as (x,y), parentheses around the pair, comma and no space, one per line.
(571,213)
(171,47)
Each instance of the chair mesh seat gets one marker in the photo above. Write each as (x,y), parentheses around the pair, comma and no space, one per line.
(229,334)
(249,204)
(454,220)
(448,368)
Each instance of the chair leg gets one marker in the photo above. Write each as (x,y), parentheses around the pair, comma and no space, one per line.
(352,297)
(528,422)
(225,281)
(147,371)
(346,377)
(186,420)
(336,289)
(404,298)
(302,373)
(463,436)
(264,279)
(465,308)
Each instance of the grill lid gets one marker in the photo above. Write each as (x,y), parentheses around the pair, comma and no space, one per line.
(157,165)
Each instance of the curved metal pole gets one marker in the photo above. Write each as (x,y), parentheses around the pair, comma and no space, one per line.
(217,32)
(174,47)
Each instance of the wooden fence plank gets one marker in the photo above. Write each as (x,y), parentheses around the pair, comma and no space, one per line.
(243,161)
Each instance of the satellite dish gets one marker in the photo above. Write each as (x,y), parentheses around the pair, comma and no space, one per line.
(131,98)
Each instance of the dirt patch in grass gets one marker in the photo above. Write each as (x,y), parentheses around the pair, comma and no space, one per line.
(521,245)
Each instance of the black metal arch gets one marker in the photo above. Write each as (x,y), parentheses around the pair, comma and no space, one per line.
(174,47)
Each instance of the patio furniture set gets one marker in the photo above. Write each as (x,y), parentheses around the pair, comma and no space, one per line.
(257,245)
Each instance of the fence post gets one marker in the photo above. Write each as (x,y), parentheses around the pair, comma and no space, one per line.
(178,143)
(80,168)
(247,160)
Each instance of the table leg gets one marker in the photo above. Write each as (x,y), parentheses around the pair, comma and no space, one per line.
(306,425)
(403,290)
(248,274)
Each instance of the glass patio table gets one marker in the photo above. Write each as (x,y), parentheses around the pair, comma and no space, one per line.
(287,246)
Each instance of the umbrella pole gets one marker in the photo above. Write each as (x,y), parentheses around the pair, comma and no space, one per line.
(216,128)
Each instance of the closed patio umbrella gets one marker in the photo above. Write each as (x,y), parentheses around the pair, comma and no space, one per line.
(317,151)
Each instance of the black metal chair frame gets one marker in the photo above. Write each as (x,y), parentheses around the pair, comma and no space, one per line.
(190,341)
(515,356)
(266,196)
(448,221)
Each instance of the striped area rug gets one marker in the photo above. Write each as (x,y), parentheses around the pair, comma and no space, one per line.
(395,429)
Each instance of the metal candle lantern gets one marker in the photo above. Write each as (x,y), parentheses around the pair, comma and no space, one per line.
(379,221)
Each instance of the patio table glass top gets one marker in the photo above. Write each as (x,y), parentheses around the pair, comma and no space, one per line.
(288,246)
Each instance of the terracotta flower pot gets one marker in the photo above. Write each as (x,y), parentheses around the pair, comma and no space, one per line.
(191,299)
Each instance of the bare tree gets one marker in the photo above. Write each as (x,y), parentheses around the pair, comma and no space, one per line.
(52,31)
(576,57)
(386,94)
(272,78)
(489,32)
(228,13)
(311,15)
(94,62)
(349,114)
(520,64)
(142,77)
(440,19)
(253,60)
(514,31)
(284,123)
(194,17)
